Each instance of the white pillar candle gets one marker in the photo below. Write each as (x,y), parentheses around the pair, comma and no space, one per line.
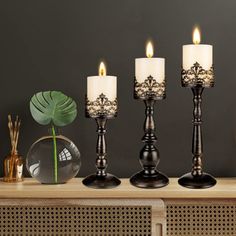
(200,53)
(101,84)
(150,66)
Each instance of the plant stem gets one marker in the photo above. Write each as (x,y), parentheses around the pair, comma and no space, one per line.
(54,153)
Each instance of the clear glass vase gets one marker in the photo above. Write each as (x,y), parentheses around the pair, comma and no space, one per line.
(53,160)
(13,168)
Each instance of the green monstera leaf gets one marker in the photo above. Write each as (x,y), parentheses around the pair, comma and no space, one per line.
(56,109)
(53,107)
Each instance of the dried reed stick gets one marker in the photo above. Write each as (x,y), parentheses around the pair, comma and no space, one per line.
(14,129)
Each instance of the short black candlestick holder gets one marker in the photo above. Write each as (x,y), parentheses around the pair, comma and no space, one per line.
(149,91)
(101,110)
(197,79)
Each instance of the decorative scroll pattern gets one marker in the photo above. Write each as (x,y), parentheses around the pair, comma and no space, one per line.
(197,76)
(101,107)
(150,88)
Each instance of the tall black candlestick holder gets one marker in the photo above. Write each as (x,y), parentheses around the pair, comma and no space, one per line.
(197,79)
(149,91)
(101,110)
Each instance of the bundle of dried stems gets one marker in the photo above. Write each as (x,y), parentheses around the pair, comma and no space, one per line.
(13,163)
(14,129)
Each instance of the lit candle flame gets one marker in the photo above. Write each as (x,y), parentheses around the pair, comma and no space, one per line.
(102,69)
(149,49)
(196,36)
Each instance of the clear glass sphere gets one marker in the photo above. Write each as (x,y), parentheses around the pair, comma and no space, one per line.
(53,164)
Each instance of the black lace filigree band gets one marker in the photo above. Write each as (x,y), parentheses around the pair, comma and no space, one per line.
(197,76)
(149,89)
(101,107)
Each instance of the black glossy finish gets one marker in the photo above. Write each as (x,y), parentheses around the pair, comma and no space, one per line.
(197,182)
(101,179)
(149,157)
(149,180)
(197,179)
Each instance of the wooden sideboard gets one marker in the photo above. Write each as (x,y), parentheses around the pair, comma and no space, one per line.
(30,208)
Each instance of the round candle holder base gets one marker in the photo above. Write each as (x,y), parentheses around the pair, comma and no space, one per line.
(146,180)
(197,182)
(101,179)
(197,179)
(101,182)
(149,91)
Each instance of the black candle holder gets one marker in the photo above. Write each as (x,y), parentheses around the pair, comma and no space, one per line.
(149,91)
(101,110)
(197,79)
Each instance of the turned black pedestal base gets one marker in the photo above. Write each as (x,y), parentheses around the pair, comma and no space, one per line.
(197,182)
(96,181)
(149,156)
(101,179)
(154,180)
(197,179)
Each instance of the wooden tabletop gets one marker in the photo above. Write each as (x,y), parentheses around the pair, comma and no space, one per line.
(30,188)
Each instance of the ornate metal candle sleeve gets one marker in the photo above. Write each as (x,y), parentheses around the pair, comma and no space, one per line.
(149,91)
(197,79)
(101,109)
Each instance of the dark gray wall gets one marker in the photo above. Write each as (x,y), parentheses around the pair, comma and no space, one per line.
(55,45)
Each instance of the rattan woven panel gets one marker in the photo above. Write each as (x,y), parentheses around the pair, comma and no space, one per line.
(75,220)
(200,218)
